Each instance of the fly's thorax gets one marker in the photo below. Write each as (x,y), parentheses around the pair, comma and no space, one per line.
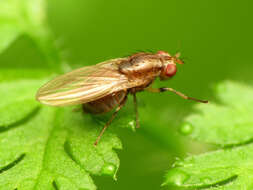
(142,65)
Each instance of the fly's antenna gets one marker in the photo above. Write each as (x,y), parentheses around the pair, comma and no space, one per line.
(177,55)
(185,59)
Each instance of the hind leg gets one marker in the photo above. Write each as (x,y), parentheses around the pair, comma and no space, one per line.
(121,104)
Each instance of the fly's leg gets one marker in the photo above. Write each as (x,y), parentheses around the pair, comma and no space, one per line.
(176,92)
(110,120)
(136,111)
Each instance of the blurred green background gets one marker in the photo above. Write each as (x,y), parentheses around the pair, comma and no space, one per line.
(214,37)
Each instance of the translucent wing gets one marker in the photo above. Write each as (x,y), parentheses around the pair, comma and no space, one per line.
(85,84)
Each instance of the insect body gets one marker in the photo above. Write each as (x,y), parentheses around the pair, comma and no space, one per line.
(105,86)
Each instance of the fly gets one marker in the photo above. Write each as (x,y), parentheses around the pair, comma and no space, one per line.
(105,86)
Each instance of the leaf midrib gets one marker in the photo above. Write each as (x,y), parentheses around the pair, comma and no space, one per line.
(45,154)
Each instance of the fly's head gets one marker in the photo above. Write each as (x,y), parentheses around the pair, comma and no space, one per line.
(169,68)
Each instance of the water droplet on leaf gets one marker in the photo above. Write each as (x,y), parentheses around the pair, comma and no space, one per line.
(186,129)
(132,125)
(109,169)
(176,177)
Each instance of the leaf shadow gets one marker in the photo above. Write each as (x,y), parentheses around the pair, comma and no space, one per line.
(13,163)
(218,184)
(21,121)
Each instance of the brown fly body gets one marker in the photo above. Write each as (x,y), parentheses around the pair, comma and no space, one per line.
(105,86)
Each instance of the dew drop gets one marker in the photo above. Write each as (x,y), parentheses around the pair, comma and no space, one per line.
(109,169)
(132,125)
(176,177)
(186,129)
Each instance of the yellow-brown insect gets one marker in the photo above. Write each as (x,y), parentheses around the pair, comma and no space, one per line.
(104,86)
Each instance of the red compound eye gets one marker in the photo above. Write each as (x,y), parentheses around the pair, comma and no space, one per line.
(171,70)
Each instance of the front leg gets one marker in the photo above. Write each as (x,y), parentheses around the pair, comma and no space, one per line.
(136,111)
(164,89)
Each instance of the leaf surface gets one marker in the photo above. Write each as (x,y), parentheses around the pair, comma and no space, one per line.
(228,123)
(44,148)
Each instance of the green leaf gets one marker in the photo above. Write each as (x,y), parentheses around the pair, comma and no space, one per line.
(228,122)
(222,170)
(26,17)
(9,29)
(49,148)
(18,102)
(14,74)
(16,17)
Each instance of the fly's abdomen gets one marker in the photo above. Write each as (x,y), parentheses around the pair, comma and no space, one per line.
(104,104)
